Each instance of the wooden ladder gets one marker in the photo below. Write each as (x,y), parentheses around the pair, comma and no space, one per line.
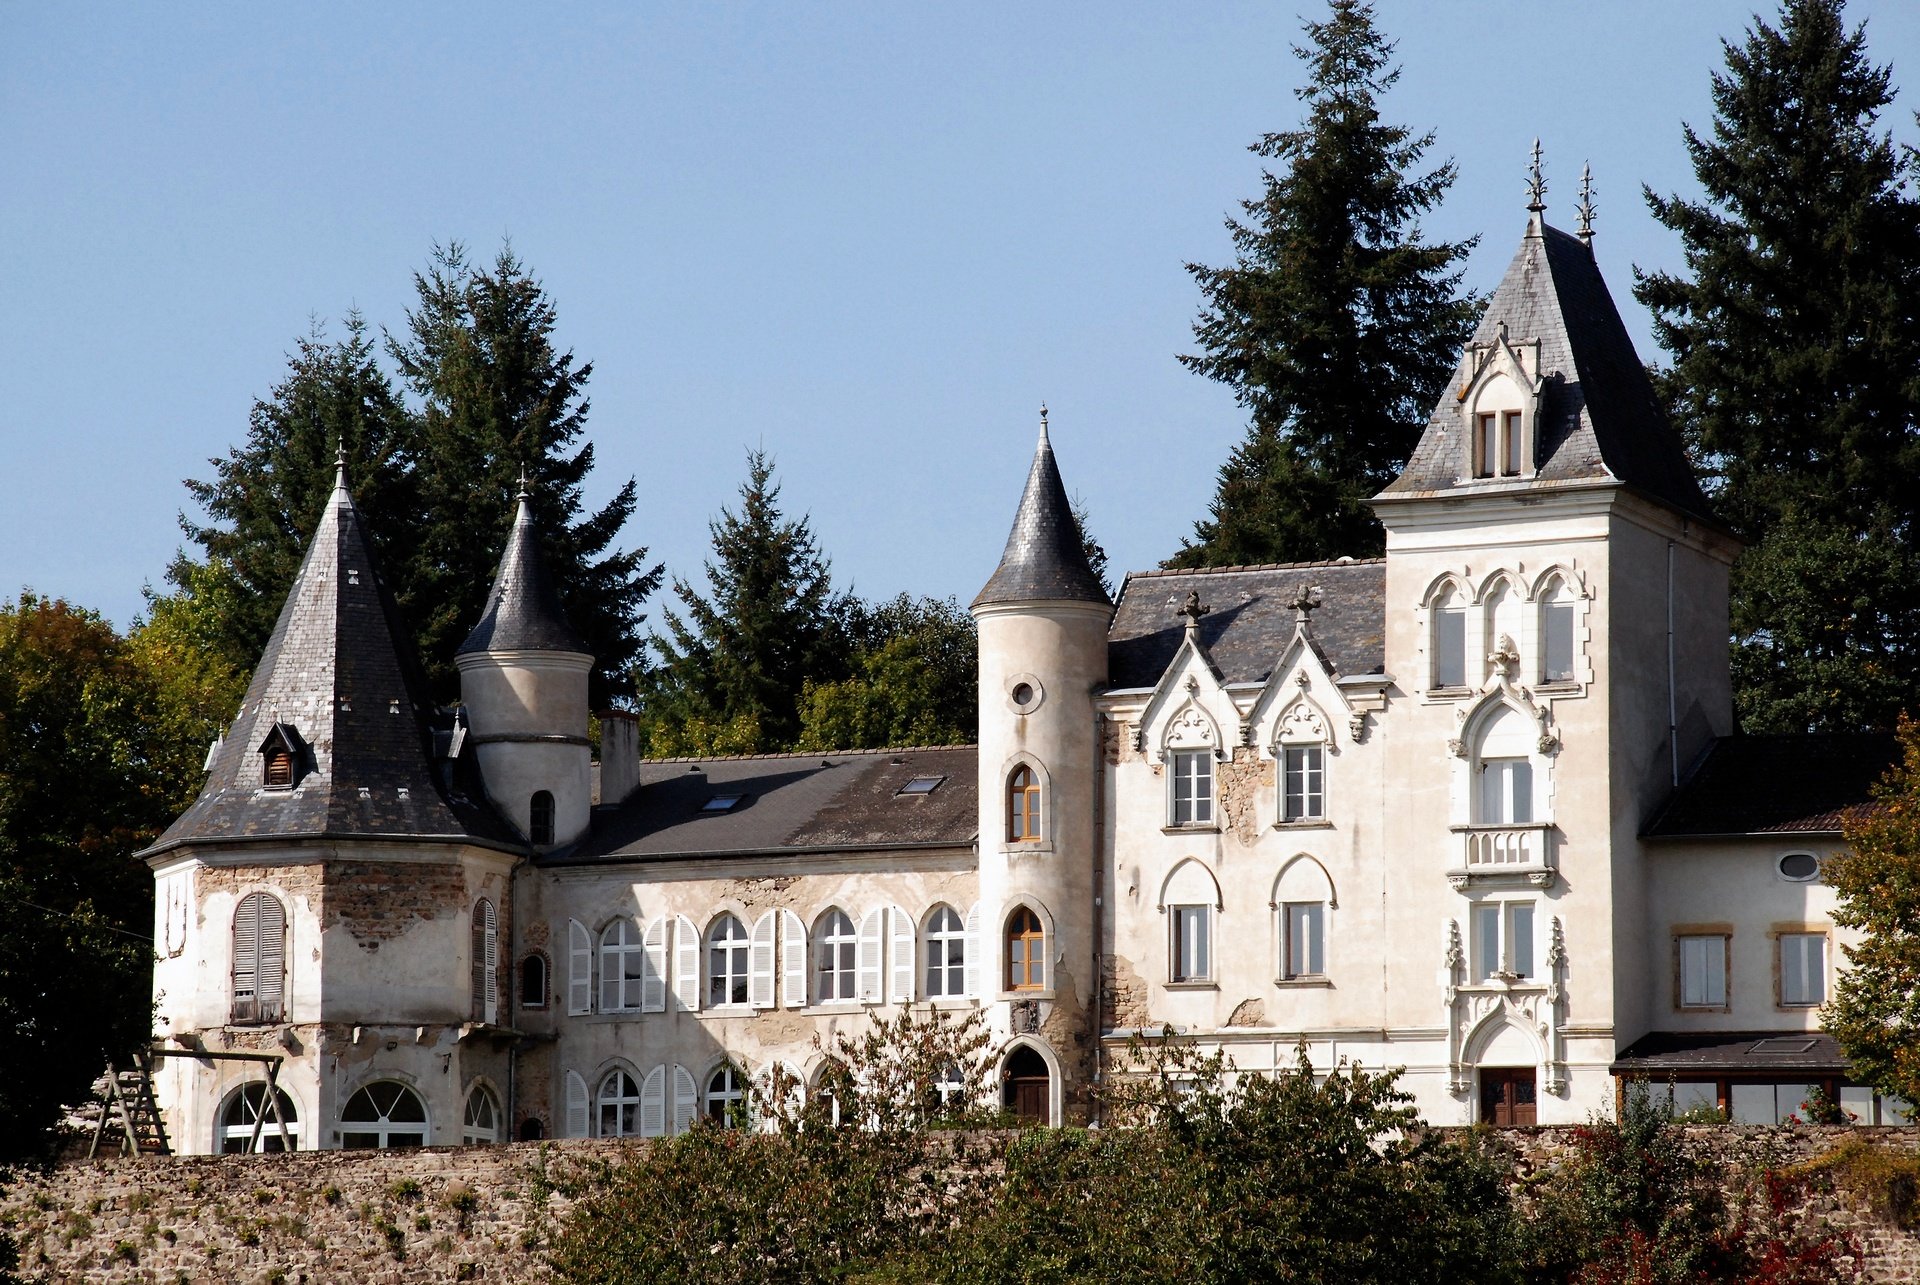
(129,1098)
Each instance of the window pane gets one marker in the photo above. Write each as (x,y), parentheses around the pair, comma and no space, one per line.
(1305,946)
(1520,773)
(1752,1103)
(1520,943)
(1192,951)
(1802,969)
(1486,941)
(1557,641)
(1689,1095)
(1511,426)
(1449,647)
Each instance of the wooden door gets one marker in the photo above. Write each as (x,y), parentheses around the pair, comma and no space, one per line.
(1028,1098)
(1507,1096)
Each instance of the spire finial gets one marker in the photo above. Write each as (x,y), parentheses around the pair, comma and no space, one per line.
(1193,609)
(1305,601)
(1536,182)
(339,465)
(526,493)
(1043,424)
(1585,208)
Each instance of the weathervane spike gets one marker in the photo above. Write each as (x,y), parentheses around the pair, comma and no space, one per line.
(525,492)
(1585,208)
(1536,182)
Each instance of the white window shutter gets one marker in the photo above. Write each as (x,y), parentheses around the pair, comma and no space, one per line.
(492,951)
(577,1111)
(867,956)
(653,982)
(760,963)
(684,1099)
(900,945)
(973,952)
(273,957)
(793,959)
(686,964)
(579,969)
(653,1103)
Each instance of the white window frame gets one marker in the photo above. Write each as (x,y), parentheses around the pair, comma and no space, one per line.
(384,1128)
(484,942)
(473,1133)
(1303,939)
(237,1121)
(836,949)
(619,1094)
(1190,788)
(1809,988)
(1505,940)
(1703,959)
(623,966)
(1190,943)
(717,1105)
(1558,617)
(1309,803)
(729,963)
(1447,635)
(946,954)
(1498,800)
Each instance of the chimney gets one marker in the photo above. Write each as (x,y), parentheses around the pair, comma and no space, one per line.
(619,755)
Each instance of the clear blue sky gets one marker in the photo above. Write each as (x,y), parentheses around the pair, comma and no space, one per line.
(870,238)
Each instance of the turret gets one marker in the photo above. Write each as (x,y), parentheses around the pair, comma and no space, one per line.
(1043,620)
(523,679)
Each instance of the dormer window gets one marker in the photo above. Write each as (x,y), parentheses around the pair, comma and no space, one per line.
(1498,405)
(280,757)
(540,818)
(1497,444)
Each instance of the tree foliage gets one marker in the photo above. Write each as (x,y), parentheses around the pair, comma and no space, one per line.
(497,398)
(914,677)
(1875,1009)
(1796,366)
(100,747)
(1337,323)
(731,672)
(434,482)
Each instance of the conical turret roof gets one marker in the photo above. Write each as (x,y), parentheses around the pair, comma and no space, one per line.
(1044,560)
(523,609)
(1599,418)
(338,687)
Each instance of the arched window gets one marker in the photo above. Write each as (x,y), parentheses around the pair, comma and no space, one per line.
(485,948)
(725,1097)
(1448,619)
(623,967)
(1302,897)
(1556,633)
(531,1130)
(1504,792)
(248,1109)
(540,818)
(619,1113)
(1023,806)
(727,965)
(1026,951)
(480,1127)
(946,955)
(259,960)
(383,1115)
(533,981)
(1190,799)
(835,947)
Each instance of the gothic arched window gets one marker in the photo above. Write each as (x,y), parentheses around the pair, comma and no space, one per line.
(1026,951)
(1023,805)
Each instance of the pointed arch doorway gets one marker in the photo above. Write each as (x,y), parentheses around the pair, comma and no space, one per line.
(1029,1087)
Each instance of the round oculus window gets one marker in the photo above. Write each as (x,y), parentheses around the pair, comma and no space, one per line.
(1800,867)
(1024,693)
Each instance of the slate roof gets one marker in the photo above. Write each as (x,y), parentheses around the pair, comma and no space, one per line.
(523,608)
(1251,621)
(794,803)
(332,670)
(1794,784)
(1732,1053)
(1599,418)
(1044,559)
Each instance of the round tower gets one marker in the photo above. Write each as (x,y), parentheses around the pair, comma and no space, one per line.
(523,680)
(1042,619)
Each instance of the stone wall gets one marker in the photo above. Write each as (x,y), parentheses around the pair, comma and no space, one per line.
(487,1213)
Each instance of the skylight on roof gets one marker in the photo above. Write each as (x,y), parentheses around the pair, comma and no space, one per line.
(722,803)
(921,785)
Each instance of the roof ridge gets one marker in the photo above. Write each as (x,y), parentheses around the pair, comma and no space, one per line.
(1158,572)
(804,754)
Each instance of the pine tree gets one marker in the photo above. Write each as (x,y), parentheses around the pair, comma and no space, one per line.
(265,497)
(913,679)
(730,675)
(498,398)
(1796,367)
(1337,324)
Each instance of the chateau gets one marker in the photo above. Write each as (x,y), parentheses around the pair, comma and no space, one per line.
(1474,809)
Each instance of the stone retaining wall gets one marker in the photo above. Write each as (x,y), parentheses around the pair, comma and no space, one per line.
(486,1213)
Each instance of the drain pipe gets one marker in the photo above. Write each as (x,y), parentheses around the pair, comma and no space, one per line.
(1673,722)
(1099,908)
